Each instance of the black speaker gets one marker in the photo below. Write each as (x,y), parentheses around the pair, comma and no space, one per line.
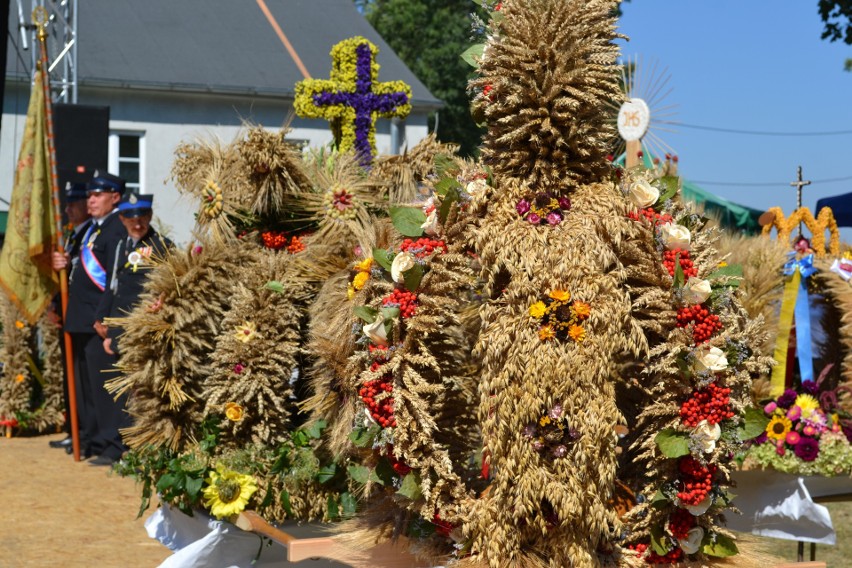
(81,140)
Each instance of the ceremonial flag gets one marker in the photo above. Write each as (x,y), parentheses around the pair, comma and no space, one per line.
(26,274)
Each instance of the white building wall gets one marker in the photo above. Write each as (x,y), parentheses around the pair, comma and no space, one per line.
(168,118)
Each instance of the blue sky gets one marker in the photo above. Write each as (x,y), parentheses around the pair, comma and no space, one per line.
(753,65)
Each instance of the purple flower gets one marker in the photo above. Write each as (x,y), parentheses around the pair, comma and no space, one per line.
(847,431)
(807,449)
(560,451)
(787,399)
(538,445)
(556,412)
(554,217)
(522,207)
(794,413)
(528,431)
(533,219)
(564,203)
(770,408)
(239,368)
(810,387)
(762,438)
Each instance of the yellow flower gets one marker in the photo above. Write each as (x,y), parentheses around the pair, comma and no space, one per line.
(365,265)
(581,310)
(350,292)
(560,295)
(546,332)
(228,492)
(577,333)
(246,332)
(234,411)
(19,324)
(778,427)
(544,421)
(360,279)
(723,264)
(537,310)
(807,403)
(20,378)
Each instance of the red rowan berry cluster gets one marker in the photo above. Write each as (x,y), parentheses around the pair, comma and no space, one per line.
(376,396)
(407,302)
(423,246)
(399,466)
(680,522)
(296,245)
(275,240)
(706,324)
(673,556)
(685,263)
(650,215)
(711,403)
(442,527)
(697,480)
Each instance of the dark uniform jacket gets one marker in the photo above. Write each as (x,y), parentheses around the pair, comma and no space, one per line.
(83,294)
(128,280)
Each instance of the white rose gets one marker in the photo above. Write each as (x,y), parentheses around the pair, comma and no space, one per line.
(643,194)
(430,227)
(401,262)
(705,436)
(712,359)
(696,291)
(376,332)
(701,508)
(476,186)
(692,542)
(675,236)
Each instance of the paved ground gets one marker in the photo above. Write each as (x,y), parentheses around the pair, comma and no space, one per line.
(62,513)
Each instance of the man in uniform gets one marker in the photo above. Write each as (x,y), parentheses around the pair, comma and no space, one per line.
(88,281)
(77,215)
(134,258)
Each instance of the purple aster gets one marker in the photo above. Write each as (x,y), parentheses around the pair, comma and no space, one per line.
(554,217)
(762,438)
(533,219)
(522,207)
(810,387)
(564,203)
(787,399)
(807,449)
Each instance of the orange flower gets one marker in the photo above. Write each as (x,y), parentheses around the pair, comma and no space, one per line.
(577,333)
(560,295)
(581,310)
(19,324)
(20,378)
(546,332)
(234,411)
(360,280)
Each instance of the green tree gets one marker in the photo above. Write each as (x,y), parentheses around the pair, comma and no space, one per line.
(837,16)
(429,36)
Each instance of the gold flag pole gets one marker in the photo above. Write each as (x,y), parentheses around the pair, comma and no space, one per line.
(40,18)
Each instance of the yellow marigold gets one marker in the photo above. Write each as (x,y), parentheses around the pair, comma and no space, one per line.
(360,279)
(20,378)
(778,427)
(537,310)
(581,310)
(234,411)
(19,324)
(246,332)
(365,265)
(228,492)
(807,403)
(577,333)
(560,295)
(546,332)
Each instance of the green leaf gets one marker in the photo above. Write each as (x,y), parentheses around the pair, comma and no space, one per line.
(366,313)
(754,425)
(445,185)
(282,462)
(722,547)
(270,495)
(659,542)
(382,257)
(384,473)
(349,504)
(732,273)
(659,500)
(412,277)
(333,509)
(672,443)
(390,313)
(679,278)
(445,166)
(684,366)
(193,487)
(420,528)
(671,184)
(315,429)
(359,473)
(166,482)
(407,220)
(474,51)
(363,437)
(451,197)
(410,487)
(326,473)
(275,286)
(285,502)
(300,438)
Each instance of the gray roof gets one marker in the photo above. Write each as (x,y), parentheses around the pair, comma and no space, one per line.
(216,46)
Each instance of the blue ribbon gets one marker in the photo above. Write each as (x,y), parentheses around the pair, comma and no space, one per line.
(804,352)
(91,265)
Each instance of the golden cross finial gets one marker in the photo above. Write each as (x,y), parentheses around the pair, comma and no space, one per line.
(40,18)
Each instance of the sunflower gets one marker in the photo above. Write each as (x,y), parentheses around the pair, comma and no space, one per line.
(560,295)
(808,404)
(228,492)
(778,427)
(538,310)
